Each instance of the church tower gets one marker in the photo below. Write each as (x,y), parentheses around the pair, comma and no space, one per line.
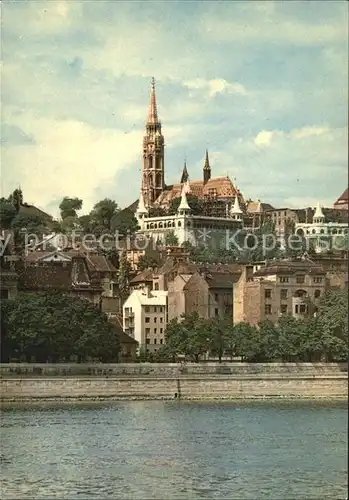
(207,169)
(153,154)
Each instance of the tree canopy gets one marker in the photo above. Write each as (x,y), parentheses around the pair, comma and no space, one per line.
(54,326)
(70,206)
(320,338)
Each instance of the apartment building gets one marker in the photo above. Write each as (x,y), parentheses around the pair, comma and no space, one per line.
(278,288)
(145,317)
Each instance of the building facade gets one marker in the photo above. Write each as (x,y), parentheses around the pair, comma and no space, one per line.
(323,234)
(196,229)
(279,288)
(145,318)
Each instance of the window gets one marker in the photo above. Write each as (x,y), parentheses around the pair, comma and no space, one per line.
(147,319)
(161,341)
(147,331)
(216,312)
(317,279)
(147,309)
(156,286)
(267,293)
(296,309)
(161,320)
(300,278)
(283,308)
(154,330)
(216,297)
(267,309)
(283,279)
(283,294)
(317,294)
(155,309)
(147,341)
(155,319)
(302,308)
(127,311)
(154,341)
(160,330)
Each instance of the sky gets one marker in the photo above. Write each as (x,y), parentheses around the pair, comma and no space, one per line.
(261,85)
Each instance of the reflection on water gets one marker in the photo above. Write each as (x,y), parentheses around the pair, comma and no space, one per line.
(175,450)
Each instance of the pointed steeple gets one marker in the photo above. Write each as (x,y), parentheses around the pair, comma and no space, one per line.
(153,111)
(207,169)
(318,215)
(185,175)
(141,209)
(235,211)
(184,207)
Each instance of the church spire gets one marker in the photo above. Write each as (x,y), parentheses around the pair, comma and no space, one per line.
(207,169)
(153,181)
(185,175)
(153,111)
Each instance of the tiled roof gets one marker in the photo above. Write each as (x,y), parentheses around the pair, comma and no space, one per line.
(29,210)
(54,276)
(258,207)
(222,280)
(143,276)
(99,263)
(290,267)
(222,187)
(344,197)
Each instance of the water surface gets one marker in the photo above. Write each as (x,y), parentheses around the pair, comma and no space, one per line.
(175,450)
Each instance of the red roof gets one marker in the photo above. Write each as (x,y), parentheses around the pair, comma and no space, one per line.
(344,197)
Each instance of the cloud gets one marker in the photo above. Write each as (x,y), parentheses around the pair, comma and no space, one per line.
(216,86)
(265,138)
(262,85)
(67,159)
(281,23)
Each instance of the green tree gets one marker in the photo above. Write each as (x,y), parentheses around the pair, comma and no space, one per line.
(23,225)
(125,223)
(7,214)
(246,342)
(218,335)
(104,212)
(16,198)
(171,239)
(187,336)
(124,276)
(332,322)
(262,243)
(69,207)
(55,326)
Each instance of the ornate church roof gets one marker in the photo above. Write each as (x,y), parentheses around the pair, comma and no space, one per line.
(219,187)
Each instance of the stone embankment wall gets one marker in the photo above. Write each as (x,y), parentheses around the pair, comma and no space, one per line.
(169,381)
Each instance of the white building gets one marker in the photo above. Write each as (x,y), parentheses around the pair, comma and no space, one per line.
(187,227)
(145,318)
(325,235)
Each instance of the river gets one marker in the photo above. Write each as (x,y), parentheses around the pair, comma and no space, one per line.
(174,450)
